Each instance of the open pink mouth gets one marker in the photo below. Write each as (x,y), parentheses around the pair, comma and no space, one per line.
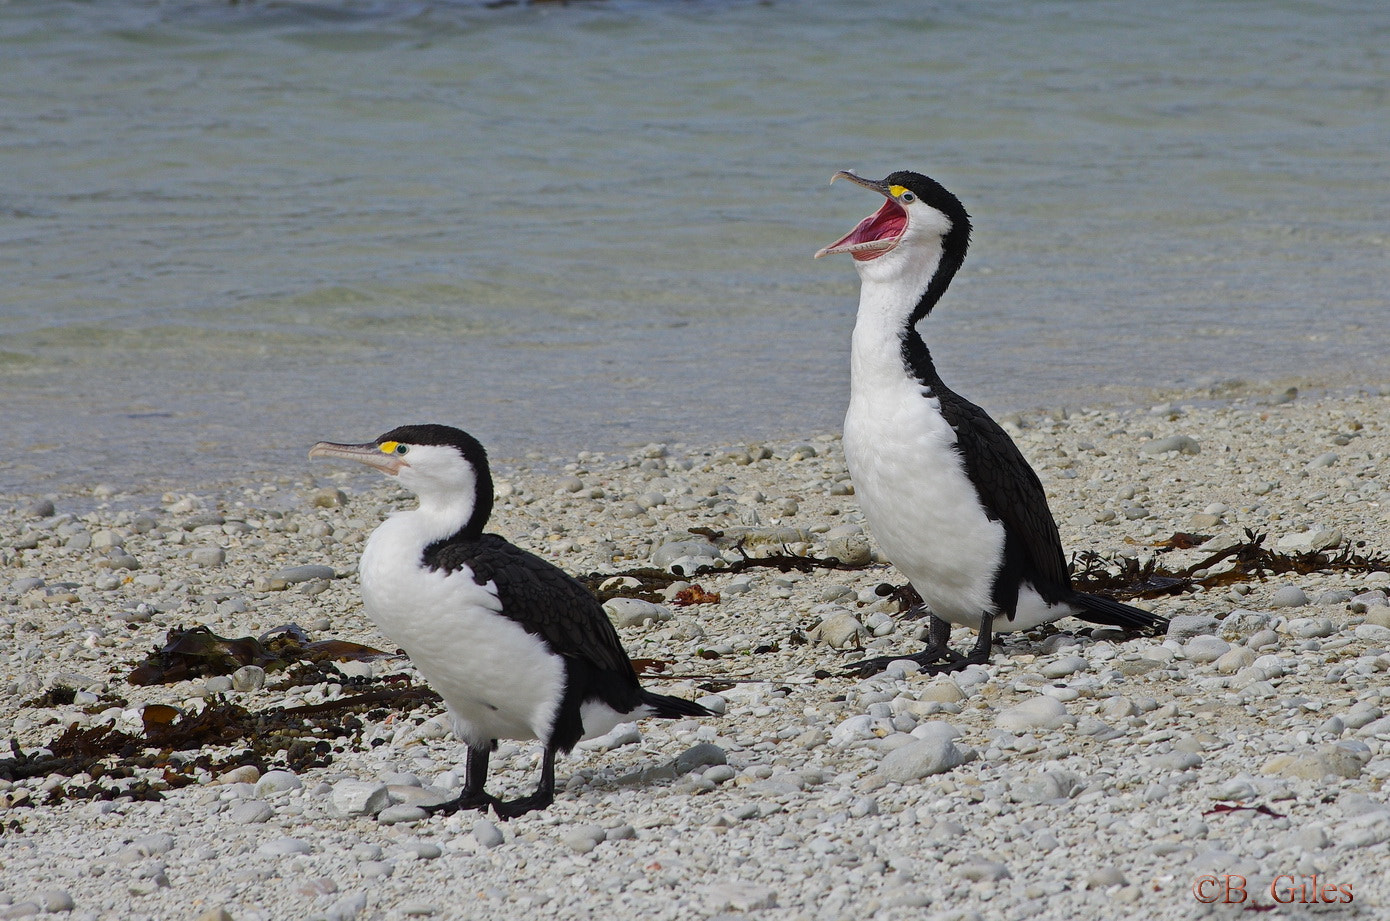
(875,235)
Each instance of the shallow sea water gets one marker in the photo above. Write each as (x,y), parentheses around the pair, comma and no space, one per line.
(230,230)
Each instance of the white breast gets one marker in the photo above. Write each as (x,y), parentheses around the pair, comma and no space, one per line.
(918,501)
(497,680)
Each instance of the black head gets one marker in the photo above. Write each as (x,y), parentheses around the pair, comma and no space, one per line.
(898,244)
(442,436)
(446,467)
(935,195)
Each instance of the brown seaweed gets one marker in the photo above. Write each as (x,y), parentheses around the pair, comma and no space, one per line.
(1248,560)
(196,652)
(696,594)
(293,738)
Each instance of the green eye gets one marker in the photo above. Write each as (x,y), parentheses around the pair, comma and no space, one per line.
(908,197)
(402,449)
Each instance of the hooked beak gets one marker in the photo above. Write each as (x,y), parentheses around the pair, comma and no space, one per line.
(369,454)
(876,234)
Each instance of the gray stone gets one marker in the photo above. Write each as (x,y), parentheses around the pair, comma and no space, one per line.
(698,756)
(1039,712)
(666,554)
(1234,659)
(839,630)
(208,557)
(980,870)
(1373,633)
(27,585)
(1241,623)
(328,497)
(740,897)
(1067,665)
(424,850)
(583,838)
(1046,787)
(1323,460)
(1366,829)
(248,678)
(307,573)
(1290,596)
(119,559)
(347,908)
(251,812)
(1205,649)
(424,797)
(634,612)
(278,782)
(1185,626)
(107,539)
(1175,761)
(1105,877)
(284,847)
(1372,599)
(56,900)
(401,814)
(942,690)
(203,520)
(153,845)
(1309,541)
(1342,759)
(39,508)
(487,834)
(1183,444)
(849,549)
(921,758)
(360,797)
(1363,714)
(1308,628)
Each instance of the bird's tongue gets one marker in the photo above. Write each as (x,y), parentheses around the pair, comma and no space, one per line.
(874,236)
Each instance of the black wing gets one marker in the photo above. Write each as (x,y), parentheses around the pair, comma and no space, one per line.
(1011,493)
(540,597)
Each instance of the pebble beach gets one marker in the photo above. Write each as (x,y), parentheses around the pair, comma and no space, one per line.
(1237,763)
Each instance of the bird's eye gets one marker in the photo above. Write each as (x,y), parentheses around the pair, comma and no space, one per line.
(907,197)
(402,449)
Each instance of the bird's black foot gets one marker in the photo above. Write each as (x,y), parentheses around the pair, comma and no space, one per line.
(510,809)
(469,799)
(934,660)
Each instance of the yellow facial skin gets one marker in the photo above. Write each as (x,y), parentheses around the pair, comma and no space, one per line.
(897,190)
(389,447)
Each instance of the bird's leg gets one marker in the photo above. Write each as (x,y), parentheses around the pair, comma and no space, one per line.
(544,795)
(475,779)
(979,654)
(938,638)
(938,658)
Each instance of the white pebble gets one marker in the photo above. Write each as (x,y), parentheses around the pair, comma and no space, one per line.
(1036,713)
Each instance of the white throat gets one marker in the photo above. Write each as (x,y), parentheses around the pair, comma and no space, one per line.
(440,516)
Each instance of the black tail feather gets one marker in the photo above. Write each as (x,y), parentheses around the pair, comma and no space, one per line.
(1099,610)
(672,708)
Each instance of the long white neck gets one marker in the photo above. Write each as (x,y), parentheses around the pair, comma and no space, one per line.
(888,296)
(441,515)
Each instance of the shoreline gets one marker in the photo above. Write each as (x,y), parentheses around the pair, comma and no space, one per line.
(88,493)
(1076,770)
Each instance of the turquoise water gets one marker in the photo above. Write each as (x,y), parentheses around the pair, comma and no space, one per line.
(230,230)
